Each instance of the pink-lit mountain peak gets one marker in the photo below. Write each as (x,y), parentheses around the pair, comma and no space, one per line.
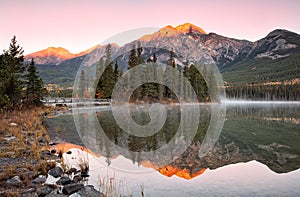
(187,27)
(170,31)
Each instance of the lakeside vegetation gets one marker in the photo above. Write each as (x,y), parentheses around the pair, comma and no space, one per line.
(151,91)
(20,84)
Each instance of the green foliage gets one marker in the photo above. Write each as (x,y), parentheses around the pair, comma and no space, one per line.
(197,81)
(109,77)
(13,77)
(34,86)
(133,58)
(259,70)
(12,70)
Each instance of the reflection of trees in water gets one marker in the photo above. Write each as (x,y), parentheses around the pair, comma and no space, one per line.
(262,111)
(250,133)
(151,143)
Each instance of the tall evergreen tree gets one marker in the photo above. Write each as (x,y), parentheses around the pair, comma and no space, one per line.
(34,86)
(133,59)
(108,54)
(107,81)
(13,64)
(171,60)
(140,60)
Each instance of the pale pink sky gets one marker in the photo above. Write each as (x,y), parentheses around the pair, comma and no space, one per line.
(80,24)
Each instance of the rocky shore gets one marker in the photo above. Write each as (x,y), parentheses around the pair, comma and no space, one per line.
(26,162)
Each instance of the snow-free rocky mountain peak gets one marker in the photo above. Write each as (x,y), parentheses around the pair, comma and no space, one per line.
(190,44)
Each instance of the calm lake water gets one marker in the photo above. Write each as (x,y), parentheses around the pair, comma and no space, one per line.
(208,150)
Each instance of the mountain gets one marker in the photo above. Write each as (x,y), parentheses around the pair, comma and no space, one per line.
(273,58)
(190,44)
(54,55)
(64,71)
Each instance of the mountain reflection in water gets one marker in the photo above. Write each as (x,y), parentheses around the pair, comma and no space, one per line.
(255,135)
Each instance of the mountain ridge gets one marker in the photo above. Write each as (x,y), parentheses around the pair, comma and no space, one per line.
(55,55)
(240,61)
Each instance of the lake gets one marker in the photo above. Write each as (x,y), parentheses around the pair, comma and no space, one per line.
(237,148)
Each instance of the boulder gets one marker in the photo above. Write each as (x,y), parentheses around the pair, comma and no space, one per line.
(89,191)
(39,180)
(71,188)
(64,181)
(43,191)
(56,172)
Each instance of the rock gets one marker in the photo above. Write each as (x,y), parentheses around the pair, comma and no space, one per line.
(28,175)
(13,124)
(9,138)
(33,194)
(21,170)
(56,195)
(39,180)
(43,191)
(15,181)
(56,172)
(46,152)
(42,141)
(29,193)
(64,181)
(9,154)
(71,188)
(89,191)
(77,178)
(53,143)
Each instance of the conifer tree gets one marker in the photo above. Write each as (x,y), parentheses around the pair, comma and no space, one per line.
(133,59)
(34,86)
(140,60)
(13,62)
(107,81)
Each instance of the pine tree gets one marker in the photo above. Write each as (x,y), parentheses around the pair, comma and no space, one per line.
(133,60)
(171,60)
(140,60)
(154,58)
(116,71)
(5,102)
(34,86)
(107,81)
(108,54)
(82,83)
(13,68)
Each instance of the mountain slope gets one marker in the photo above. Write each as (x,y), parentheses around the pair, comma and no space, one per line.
(273,58)
(189,43)
(65,71)
(54,55)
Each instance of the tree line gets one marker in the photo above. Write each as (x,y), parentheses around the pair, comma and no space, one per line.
(20,83)
(150,92)
(278,92)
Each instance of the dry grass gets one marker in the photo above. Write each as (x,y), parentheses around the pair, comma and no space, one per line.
(20,132)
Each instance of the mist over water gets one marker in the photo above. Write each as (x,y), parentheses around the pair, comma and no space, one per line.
(250,102)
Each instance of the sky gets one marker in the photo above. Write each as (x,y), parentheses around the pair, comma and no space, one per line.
(81,24)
